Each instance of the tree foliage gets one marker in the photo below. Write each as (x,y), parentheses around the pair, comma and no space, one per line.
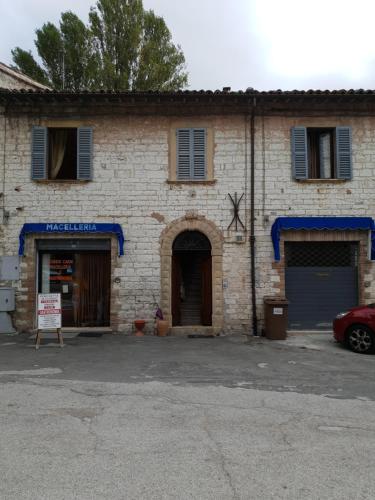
(123,47)
(159,60)
(26,63)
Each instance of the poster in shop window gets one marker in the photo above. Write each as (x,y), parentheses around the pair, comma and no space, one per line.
(49,310)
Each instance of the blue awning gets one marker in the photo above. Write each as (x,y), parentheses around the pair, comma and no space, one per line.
(72,227)
(321,224)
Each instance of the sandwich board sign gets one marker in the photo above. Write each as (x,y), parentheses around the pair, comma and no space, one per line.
(49,315)
(49,311)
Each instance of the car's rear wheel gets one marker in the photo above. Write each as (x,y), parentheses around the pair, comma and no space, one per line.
(360,338)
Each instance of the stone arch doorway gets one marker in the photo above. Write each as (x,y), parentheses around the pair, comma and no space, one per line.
(214,236)
(191,280)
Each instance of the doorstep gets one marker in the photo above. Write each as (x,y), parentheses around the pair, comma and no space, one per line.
(104,329)
(207,331)
(71,332)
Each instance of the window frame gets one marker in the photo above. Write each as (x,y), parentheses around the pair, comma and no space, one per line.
(341,152)
(175,125)
(49,149)
(313,134)
(44,161)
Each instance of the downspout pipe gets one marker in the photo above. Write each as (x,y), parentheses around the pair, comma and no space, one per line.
(252,220)
(3,173)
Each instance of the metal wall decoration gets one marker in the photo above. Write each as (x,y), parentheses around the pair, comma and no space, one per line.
(236,209)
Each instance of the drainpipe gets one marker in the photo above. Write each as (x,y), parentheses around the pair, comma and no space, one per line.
(3,215)
(252,220)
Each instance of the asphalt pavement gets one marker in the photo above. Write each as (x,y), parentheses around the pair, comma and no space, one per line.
(118,417)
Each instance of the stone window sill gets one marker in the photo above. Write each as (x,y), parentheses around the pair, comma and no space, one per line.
(207,182)
(322,181)
(61,181)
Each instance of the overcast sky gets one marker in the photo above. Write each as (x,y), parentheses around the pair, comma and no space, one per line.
(265,44)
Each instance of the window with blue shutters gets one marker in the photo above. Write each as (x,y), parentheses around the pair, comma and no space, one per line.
(191,161)
(321,153)
(61,153)
(84,153)
(39,152)
(344,152)
(299,153)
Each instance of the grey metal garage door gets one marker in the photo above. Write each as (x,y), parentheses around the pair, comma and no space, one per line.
(321,280)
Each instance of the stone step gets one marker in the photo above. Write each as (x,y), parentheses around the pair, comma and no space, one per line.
(192,330)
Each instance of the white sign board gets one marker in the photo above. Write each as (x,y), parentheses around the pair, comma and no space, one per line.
(49,310)
(278,311)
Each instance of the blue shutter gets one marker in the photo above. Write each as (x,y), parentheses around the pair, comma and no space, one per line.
(84,153)
(343,152)
(39,152)
(299,153)
(183,154)
(199,153)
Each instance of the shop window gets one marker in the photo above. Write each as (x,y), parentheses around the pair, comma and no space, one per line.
(321,153)
(321,254)
(61,153)
(83,280)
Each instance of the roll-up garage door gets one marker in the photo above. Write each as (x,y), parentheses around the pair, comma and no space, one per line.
(321,280)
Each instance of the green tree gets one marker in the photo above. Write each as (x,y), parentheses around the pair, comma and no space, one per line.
(26,63)
(124,47)
(49,44)
(116,26)
(66,53)
(80,61)
(160,63)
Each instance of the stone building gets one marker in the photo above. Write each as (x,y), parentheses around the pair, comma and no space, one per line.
(14,79)
(194,182)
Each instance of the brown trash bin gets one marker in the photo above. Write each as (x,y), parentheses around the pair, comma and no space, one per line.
(275,317)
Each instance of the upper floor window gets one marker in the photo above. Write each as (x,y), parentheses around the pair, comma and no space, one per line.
(321,153)
(61,153)
(191,151)
(191,154)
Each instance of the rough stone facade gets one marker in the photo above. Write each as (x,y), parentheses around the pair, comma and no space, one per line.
(8,82)
(11,79)
(278,194)
(131,186)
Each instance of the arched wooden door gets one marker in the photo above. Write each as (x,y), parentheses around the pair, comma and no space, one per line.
(191,280)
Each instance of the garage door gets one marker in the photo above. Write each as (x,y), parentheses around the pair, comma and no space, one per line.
(321,280)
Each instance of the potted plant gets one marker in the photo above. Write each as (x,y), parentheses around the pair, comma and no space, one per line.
(162,325)
(139,325)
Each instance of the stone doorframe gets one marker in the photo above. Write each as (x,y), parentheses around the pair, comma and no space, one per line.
(209,229)
(26,302)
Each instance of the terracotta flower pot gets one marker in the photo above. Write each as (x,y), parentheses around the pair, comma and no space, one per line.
(162,327)
(139,325)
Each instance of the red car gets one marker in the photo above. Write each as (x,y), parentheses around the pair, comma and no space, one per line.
(356,328)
